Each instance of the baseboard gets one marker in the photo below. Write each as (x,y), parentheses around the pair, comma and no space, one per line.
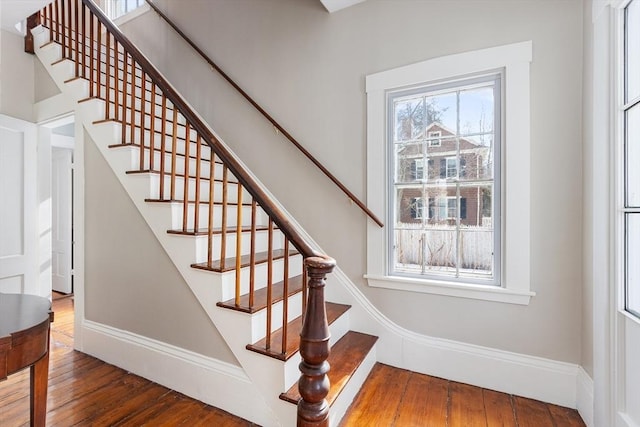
(523,375)
(520,374)
(209,380)
(584,397)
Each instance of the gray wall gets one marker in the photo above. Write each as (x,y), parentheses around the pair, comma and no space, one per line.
(588,225)
(130,283)
(16,77)
(307,68)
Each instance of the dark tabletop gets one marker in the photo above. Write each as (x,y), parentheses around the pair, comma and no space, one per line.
(19,312)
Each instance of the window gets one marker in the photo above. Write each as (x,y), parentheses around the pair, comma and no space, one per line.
(117,8)
(631,136)
(448,245)
(418,169)
(417,208)
(434,138)
(451,113)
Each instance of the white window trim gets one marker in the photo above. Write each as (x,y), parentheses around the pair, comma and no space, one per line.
(129,15)
(514,60)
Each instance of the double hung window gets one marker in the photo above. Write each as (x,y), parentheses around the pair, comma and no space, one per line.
(436,157)
(449,126)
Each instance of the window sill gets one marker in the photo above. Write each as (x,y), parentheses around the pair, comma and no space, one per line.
(461,290)
(132,15)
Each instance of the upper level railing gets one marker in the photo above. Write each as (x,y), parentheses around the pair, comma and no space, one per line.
(273,121)
(219,198)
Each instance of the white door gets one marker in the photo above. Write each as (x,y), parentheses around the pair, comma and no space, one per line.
(61,224)
(627,388)
(19,234)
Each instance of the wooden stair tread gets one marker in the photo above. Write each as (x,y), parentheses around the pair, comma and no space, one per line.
(260,296)
(204,232)
(230,263)
(293,334)
(345,358)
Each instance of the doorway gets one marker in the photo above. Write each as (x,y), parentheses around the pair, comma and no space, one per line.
(62,137)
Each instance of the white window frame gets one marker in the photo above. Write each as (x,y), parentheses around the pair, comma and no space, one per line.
(514,61)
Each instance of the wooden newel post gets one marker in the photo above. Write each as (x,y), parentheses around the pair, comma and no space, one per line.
(32,22)
(313,409)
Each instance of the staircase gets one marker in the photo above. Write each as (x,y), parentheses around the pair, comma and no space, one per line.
(248,264)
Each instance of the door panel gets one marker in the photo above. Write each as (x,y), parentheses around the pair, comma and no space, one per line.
(632,368)
(18,208)
(61,204)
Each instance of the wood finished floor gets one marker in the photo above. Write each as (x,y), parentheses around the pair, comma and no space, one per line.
(394,397)
(84,391)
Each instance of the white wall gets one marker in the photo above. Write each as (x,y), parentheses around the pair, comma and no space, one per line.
(307,68)
(16,77)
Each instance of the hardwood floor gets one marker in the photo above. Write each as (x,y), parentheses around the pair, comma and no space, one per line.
(394,397)
(84,391)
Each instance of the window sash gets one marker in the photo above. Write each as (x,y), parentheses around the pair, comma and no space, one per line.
(451,168)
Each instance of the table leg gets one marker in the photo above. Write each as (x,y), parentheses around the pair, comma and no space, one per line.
(39,380)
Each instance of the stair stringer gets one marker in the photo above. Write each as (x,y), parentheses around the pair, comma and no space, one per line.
(270,376)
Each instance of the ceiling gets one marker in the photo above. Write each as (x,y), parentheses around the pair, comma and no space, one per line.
(14,11)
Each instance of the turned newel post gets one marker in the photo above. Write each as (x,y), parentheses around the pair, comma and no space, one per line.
(32,22)
(313,409)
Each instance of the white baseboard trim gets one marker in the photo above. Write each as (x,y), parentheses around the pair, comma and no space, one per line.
(209,380)
(523,375)
(520,374)
(584,397)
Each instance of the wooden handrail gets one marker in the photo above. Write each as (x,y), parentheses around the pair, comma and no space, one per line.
(277,125)
(228,158)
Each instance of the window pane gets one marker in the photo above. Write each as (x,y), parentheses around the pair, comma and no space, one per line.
(632,55)
(633,263)
(409,205)
(476,111)
(409,119)
(476,249)
(441,109)
(632,167)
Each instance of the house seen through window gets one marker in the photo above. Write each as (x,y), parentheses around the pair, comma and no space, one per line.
(444,141)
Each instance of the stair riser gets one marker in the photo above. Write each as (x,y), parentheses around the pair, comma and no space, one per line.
(179,190)
(259,320)
(203,218)
(261,243)
(205,150)
(228,280)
